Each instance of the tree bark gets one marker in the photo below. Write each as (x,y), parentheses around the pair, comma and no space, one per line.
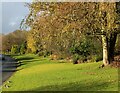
(105,50)
(108,48)
(112,42)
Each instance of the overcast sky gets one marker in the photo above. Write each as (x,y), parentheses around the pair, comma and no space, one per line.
(12,14)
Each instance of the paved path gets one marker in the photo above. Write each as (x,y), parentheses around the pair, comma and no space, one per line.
(9,66)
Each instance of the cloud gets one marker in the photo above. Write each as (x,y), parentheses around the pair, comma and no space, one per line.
(12,15)
(15,21)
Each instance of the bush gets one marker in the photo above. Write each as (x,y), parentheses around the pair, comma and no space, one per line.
(75,59)
(82,59)
(81,51)
(86,49)
(15,49)
(23,48)
(40,54)
(47,53)
(96,58)
(28,51)
(44,53)
(99,58)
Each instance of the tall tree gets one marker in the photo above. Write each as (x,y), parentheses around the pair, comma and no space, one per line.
(109,29)
(78,17)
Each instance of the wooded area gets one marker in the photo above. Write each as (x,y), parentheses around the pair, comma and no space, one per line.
(77,31)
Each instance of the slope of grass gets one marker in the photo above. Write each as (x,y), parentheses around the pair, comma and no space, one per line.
(41,74)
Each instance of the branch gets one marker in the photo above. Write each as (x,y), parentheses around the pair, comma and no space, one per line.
(96,34)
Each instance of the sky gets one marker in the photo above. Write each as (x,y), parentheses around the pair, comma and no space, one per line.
(11,15)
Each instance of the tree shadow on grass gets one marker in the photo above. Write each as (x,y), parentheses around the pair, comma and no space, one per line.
(33,60)
(24,62)
(93,87)
(25,58)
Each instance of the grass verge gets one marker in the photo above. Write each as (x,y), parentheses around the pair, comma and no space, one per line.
(41,74)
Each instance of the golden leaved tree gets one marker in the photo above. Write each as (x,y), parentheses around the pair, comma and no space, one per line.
(67,21)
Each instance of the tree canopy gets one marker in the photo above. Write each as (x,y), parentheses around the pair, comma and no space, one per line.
(70,28)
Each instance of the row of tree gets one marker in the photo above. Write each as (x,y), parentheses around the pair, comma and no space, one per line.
(13,42)
(79,30)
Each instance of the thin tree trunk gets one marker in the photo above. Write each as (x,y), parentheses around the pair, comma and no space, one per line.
(105,50)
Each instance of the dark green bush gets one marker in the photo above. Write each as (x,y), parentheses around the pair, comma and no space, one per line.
(86,49)
(82,59)
(83,49)
(75,58)
(99,58)
(96,58)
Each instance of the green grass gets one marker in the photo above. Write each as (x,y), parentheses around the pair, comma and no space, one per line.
(41,74)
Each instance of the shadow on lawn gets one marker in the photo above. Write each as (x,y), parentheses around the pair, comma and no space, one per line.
(92,88)
(25,58)
(33,60)
(24,62)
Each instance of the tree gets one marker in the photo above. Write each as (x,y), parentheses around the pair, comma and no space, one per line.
(1,35)
(79,18)
(109,28)
(15,38)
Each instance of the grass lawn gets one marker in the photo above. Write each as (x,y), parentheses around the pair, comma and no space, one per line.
(42,74)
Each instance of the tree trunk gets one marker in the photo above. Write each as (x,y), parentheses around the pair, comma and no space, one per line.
(112,42)
(108,48)
(105,50)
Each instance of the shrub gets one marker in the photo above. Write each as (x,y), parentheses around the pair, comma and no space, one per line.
(81,51)
(40,54)
(54,57)
(99,58)
(15,49)
(75,59)
(96,58)
(86,49)
(46,53)
(82,59)
(28,50)
(23,48)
